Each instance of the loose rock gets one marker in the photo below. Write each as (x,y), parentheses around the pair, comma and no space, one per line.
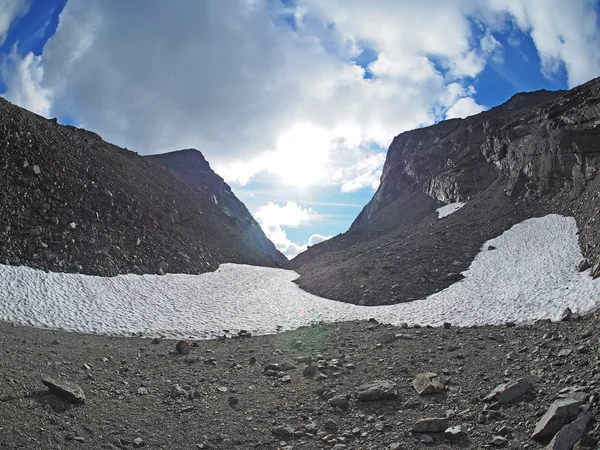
(430,425)
(560,413)
(377,390)
(65,389)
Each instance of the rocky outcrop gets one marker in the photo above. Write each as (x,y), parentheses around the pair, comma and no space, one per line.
(191,167)
(536,154)
(71,202)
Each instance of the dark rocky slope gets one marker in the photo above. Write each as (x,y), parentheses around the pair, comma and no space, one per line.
(71,202)
(191,167)
(536,154)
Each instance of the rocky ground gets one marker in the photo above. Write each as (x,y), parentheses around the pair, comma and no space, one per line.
(350,385)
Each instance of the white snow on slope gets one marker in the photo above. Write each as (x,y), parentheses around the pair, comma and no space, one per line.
(531,275)
(448,209)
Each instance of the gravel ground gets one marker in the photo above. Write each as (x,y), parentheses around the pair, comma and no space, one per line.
(224,394)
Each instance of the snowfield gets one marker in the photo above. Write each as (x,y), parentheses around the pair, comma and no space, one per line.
(448,209)
(531,275)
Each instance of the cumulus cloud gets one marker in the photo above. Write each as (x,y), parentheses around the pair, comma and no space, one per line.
(566,34)
(257,96)
(317,239)
(464,107)
(11,11)
(23,78)
(273,217)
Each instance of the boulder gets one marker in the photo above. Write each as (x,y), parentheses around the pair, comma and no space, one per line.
(560,413)
(65,389)
(568,435)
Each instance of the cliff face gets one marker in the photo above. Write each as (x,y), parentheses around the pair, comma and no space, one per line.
(71,202)
(191,168)
(537,153)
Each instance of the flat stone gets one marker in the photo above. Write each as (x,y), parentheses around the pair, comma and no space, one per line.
(65,389)
(509,392)
(377,390)
(568,435)
(427,383)
(560,413)
(431,425)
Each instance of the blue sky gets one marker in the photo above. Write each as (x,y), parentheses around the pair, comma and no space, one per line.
(294,103)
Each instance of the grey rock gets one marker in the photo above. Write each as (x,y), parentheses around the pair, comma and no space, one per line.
(65,389)
(309,371)
(387,337)
(568,435)
(560,413)
(330,425)
(454,433)
(499,441)
(340,401)
(377,390)
(566,315)
(431,425)
(509,392)
(182,347)
(142,391)
(426,439)
(595,273)
(138,442)
(583,266)
(162,267)
(427,383)
(283,431)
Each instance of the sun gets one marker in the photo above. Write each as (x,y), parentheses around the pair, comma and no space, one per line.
(302,155)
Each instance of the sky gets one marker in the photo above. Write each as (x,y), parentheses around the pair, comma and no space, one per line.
(293,102)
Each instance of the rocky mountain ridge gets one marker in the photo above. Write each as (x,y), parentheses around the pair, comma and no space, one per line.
(194,171)
(71,202)
(538,153)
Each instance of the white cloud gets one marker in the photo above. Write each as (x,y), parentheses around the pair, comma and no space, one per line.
(464,107)
(317,238)
(273,217)
(23,78)
(11,11)
(259,98)
(566,34)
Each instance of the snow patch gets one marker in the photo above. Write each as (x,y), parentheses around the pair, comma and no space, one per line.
(449,209)
(531,275)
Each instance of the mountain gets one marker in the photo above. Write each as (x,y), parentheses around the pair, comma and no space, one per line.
(71,202)
(538,153)
(194,171)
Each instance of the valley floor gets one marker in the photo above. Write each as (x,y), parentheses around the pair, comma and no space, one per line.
(142,394)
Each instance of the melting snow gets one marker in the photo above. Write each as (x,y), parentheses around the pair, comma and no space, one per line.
(531,275)
(449,209)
